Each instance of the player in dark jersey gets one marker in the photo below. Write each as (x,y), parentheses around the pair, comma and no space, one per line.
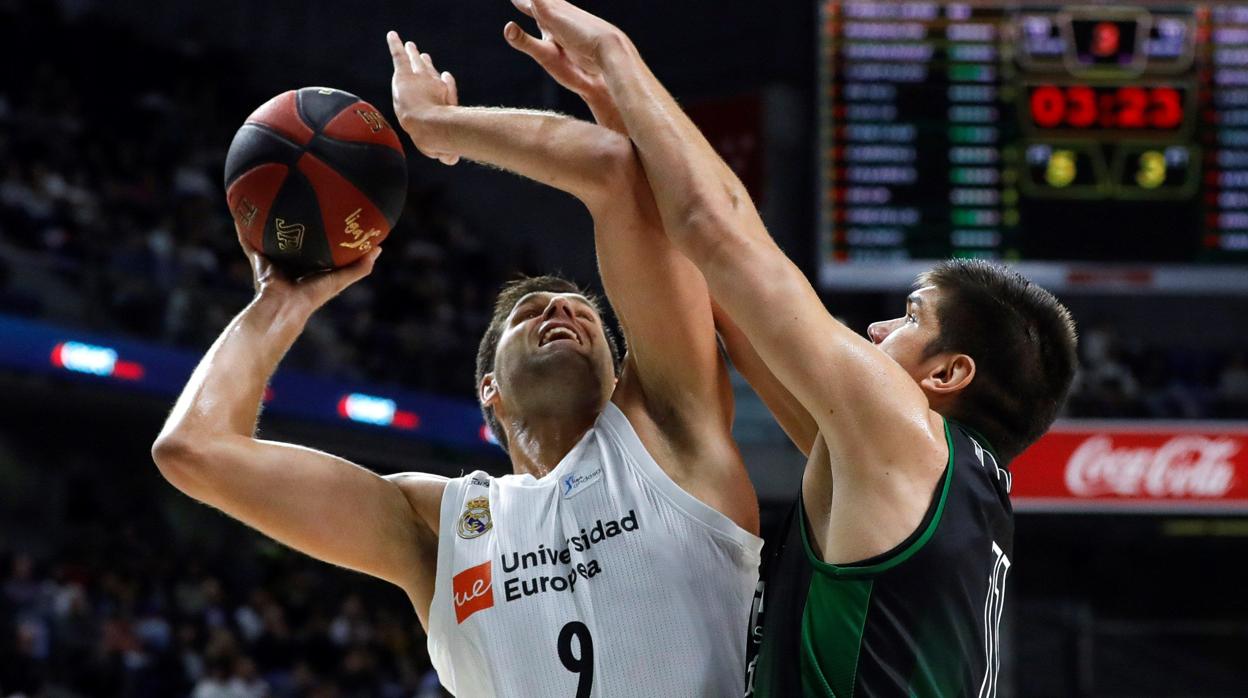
(890,578)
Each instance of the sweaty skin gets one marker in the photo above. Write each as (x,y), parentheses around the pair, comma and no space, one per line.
(880,437)
(673,386)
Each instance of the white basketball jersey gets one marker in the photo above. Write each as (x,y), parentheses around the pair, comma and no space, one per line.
(603,578)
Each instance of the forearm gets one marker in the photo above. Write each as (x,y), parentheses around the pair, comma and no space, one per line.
(700,199)
(224,393)
(565,153)
(786,409)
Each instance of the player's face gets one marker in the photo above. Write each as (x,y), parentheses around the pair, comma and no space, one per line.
(554,347)
(906,338)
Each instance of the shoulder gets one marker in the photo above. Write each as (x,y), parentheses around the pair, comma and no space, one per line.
(423,492)
(699,457)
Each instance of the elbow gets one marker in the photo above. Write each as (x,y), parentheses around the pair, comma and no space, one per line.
(179,459)
(613,169)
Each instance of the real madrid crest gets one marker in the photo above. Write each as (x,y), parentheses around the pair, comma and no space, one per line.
(475,520)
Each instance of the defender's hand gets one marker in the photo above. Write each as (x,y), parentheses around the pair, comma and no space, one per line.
(311,291)
(590,87)
(581,35)
(417,89)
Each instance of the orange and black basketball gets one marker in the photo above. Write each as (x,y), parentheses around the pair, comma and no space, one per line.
(315,178)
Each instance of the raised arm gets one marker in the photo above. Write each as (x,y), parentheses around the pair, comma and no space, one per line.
(867,407)
(787,410)
(314,502)
(661,299)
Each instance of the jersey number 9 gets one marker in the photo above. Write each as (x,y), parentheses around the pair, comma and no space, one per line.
(582,664)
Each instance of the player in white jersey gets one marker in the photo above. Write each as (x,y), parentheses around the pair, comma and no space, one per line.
(621,557)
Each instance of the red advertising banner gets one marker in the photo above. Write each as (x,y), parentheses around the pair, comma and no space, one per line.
(1124,466)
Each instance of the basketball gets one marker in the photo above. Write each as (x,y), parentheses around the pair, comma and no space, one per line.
(314,179)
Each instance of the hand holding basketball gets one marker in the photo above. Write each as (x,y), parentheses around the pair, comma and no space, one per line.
(417,88)
(311,290)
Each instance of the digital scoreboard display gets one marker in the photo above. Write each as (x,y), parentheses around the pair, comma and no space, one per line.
(1063,138)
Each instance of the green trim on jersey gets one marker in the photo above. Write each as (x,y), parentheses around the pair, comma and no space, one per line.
(895,557)
(832,624)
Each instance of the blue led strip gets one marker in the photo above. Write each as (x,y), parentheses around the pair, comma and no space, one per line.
(37,347)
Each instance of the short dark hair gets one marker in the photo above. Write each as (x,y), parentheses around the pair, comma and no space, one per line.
(1023,341)
(508,296)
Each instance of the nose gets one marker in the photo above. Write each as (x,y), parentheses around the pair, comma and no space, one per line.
(877,331)
(558,306)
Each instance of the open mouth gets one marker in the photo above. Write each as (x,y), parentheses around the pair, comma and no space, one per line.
(555,333)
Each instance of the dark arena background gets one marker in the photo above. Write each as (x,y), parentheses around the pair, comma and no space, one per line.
(1101,149)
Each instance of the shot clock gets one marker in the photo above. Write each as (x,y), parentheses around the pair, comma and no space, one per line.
(1032,132)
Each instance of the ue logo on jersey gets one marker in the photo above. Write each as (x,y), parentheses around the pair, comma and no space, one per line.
(473,591)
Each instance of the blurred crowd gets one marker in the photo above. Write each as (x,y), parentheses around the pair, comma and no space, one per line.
(1122,378)
(112,219)
(115,585)
(160,625)
(111,205)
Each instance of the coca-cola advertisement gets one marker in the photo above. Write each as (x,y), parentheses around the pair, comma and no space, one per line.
(1134,467)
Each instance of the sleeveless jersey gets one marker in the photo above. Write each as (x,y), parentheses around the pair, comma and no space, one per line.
(920,620)
(603,578)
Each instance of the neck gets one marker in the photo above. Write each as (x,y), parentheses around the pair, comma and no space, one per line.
(537,444)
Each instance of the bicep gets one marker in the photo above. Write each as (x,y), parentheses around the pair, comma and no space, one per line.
(314,502)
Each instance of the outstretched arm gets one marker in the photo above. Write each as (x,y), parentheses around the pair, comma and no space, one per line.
(659,296)
(787,410)
(591,87)
(867,407)
(314,502)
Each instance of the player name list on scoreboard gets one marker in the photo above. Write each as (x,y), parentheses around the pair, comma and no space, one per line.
(1030,132)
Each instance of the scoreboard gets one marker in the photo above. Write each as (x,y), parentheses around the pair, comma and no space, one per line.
(1080,142)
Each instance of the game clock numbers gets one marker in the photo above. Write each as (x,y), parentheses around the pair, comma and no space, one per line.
(1032,132)
(1132,107)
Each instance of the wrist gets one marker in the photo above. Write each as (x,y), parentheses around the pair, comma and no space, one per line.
(603,108)
(429,127)
(426,125)
(614,50)
(279,307)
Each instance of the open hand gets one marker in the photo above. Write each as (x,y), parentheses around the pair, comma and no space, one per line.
(581,36)
(582,80)
(417,88)
(312,290)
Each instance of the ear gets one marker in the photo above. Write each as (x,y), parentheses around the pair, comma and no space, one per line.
(949,374)
(488,393)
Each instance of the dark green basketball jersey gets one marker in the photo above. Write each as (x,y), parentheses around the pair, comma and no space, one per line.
(919,620)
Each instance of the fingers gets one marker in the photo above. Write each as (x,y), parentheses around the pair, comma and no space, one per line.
(525,6)
(345,276)
(514,34)
(362,267)
(452,98)
(401,62)
(528,44)
(413,57)
(540,10)
(452,89)
(416,60)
